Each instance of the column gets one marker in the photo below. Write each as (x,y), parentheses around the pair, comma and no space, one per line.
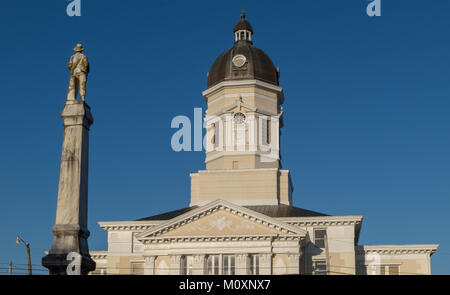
(241,264)
(199,267)
(149,265)
(229,133)
(175,265)
(252,132)
(70,229)
(265,264)
(294,264)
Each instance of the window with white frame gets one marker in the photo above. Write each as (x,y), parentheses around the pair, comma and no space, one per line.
(265,128)
(228,265)
(212,265)
(254,264)
(388,270)
(216,134)
(319,237)
(319,267)
(187,265)
(137,268)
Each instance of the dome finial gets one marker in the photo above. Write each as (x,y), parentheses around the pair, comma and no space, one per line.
(243,13)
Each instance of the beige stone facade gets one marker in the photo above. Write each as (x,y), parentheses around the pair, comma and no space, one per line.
(240,219)
(254,243)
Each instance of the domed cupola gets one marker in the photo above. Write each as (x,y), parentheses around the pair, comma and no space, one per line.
(243,30)
(243,60)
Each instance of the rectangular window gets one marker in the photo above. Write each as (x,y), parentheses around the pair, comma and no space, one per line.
(389,270)
(213,265)
(254,264)
(393,270)
(228,265)
(187,263)
(137,268)
(319,237)
(265,128)
(320,267)
(216,135)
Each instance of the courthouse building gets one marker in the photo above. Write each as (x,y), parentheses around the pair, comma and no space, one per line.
(240,219)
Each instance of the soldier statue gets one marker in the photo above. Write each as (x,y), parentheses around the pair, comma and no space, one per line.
(79,68)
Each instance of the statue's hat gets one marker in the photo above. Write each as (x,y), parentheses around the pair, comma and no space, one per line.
(79,48)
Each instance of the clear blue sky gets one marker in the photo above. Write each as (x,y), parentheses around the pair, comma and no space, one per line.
(367,125)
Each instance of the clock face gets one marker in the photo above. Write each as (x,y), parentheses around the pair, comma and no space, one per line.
(239,118)
(239,60)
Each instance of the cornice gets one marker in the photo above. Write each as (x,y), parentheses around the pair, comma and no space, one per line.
(227,238)
(241,83)
(128,225)
(98,254)
(396,249)
(322,220)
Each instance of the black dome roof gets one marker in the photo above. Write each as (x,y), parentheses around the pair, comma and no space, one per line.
(243,24)
(257,64)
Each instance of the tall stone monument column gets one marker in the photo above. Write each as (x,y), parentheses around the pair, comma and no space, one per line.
(70,229)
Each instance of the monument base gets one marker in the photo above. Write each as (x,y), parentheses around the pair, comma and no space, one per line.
(57,264)
(68,238)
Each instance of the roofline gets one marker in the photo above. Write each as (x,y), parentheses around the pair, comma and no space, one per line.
(322,219)
(243,82)
(355,220)
(219,202)
(129,225)
(403,249)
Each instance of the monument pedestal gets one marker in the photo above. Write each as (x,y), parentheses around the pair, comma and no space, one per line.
(70,230)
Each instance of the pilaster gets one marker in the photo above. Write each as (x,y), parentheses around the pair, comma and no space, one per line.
(242,264)
(294,264)
(149,265)
(175,264)
(199,267)
(265,264)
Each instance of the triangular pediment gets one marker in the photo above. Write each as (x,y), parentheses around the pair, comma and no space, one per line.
(239,106)
(221,218)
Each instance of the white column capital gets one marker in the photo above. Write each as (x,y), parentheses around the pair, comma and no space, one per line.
(149,265)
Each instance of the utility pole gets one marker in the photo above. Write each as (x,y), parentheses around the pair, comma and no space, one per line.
(327,254)
(10,268)
(27,245)
(29,258)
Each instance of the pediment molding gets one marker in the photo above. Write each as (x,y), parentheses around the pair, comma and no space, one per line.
(239,104)
(284,230)
(228,238)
